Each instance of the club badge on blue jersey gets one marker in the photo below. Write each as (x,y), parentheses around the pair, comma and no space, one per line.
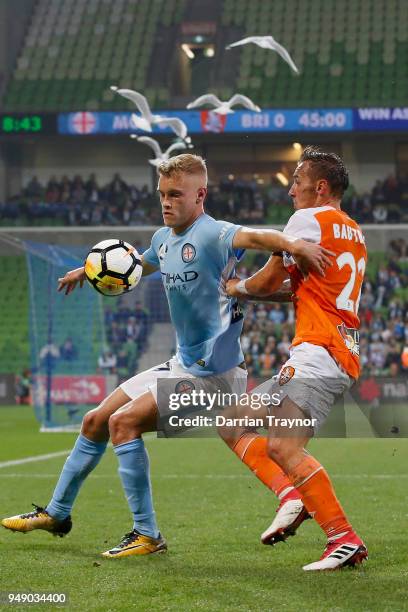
(188,252)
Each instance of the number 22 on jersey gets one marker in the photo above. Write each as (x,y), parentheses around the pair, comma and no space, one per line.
(355,282)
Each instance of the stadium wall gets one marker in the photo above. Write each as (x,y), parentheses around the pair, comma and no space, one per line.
(70,156)
(368,158)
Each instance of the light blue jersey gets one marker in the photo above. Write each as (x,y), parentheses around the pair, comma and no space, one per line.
(194,266)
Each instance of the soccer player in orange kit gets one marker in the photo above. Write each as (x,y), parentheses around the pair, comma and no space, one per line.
(323,363)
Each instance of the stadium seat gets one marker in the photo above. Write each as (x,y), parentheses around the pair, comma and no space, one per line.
(350,38)
(117,41)
(114,39)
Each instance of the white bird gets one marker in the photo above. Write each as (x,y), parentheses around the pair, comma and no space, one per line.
(267,42)
(224,108)
(161,156)
(147,119)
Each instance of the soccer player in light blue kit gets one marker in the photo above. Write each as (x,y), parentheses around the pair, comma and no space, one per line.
(196,255)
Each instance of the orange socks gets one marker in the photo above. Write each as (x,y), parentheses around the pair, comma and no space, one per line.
(308,480)
(313,483)
(251,449)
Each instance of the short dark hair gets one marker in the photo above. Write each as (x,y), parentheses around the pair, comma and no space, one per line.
(328,166)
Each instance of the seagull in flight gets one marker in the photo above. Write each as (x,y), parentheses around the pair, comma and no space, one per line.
(160,156)
(146,119)
(267,42)
(224,108)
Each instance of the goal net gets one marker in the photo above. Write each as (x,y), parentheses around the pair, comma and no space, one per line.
(73,337)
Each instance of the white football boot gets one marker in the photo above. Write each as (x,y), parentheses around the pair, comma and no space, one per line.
(344,550)
(289,516)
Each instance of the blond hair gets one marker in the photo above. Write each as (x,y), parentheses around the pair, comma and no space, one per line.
(185,163)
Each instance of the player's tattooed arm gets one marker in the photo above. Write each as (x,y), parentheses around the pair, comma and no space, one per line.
(263,284)
(308,255)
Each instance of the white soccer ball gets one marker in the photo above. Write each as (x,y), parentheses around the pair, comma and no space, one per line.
(113,267)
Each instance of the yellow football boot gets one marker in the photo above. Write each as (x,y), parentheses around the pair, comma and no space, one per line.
(38,519)
(135,543)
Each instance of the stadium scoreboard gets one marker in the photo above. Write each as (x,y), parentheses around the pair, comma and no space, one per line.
(84,123)
(28,123)
(327,120)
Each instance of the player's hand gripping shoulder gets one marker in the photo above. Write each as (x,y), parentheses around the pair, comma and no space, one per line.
(71,279)
(308,256)
(311,257)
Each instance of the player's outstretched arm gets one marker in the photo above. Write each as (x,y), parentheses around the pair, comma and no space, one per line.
(71,279)
(283,295)
(263,284)
(308,255)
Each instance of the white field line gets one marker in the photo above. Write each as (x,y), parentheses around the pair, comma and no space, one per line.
(207,476)
(5,464)
(33,458)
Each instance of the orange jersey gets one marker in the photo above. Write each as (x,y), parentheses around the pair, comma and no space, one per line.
(326,307)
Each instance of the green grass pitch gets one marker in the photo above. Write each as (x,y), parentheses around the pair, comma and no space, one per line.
(212,511)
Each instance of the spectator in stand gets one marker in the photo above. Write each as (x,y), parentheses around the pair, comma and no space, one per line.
(391,189)
(107,362)
(65,189)
(380,213)
(252,369)
(68,351)
(400,249)
(277,315)
(23,387)
(404,358)
(366,215)
(234,199)
(52,192)
(377,194)
(142,319)
(109,316)
(96,215)
(133,329)
(122,313)
(122,365)
(49,356)
(267,361)
(92,189)
(34,188)
(284,346)
(116,334)
(78,190)
(393,354)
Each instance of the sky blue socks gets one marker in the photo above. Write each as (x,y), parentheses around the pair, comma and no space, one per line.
(133,471)
(135,476)
(84,457)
